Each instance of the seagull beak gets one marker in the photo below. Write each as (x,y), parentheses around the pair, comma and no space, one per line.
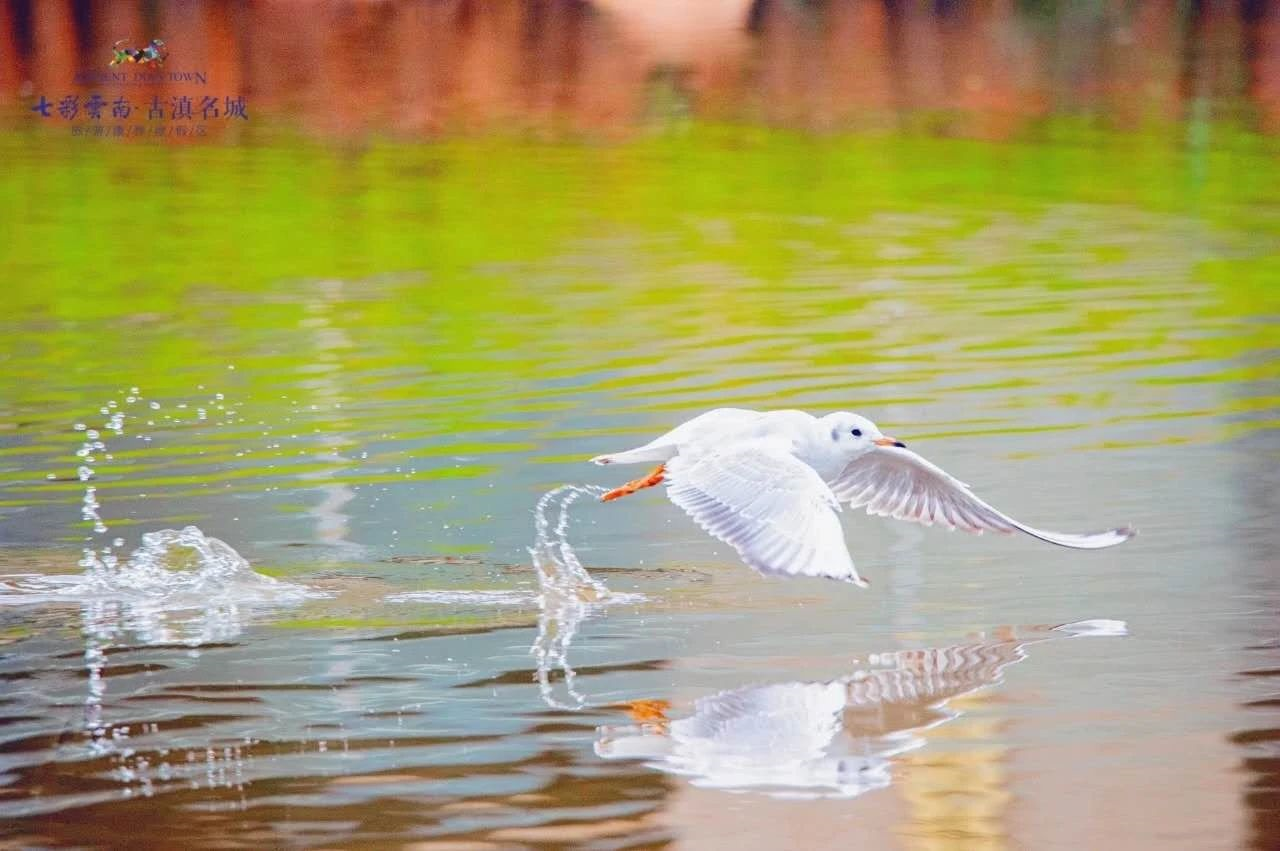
(890,441)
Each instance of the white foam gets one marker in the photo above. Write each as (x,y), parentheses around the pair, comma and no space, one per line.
(179,568)
(527,599)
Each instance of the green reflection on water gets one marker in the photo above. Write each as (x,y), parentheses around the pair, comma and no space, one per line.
(473,307)
(92,222)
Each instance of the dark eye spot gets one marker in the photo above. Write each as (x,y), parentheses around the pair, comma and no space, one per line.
(857,432)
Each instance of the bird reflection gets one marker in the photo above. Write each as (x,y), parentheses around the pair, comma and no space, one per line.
(830,738)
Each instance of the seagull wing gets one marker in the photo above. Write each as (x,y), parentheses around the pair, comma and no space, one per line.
(772,508)
(895,482)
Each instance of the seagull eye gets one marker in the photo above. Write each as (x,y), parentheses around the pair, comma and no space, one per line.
(857,432)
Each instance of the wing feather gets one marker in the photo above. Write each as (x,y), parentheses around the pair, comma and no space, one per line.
(896,482)
(772,508)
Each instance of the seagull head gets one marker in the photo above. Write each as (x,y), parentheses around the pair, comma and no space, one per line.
(855,434)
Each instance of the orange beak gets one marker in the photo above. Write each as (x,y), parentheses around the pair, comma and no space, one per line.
(889,441)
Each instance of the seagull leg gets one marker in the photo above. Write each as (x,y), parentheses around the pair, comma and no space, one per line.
(655,477)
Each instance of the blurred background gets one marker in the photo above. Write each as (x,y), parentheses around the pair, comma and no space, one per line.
(993,70)
(447,250)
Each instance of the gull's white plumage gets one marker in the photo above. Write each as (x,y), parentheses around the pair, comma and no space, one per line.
(770,485)
(896,482)
(765,503)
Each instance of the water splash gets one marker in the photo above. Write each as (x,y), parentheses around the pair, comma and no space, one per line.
(560,573)
(172,569)
(179,587)
(95,560)
(569,594)
(561,576)
(98,557)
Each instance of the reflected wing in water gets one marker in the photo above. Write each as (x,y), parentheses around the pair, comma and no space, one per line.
(908,692)
(834,738)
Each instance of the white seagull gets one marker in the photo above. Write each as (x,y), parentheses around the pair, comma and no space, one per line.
(769,484)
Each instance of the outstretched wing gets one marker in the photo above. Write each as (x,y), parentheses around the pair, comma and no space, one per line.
(896,482)
(768,505)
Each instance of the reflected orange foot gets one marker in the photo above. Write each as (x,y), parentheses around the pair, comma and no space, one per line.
(655,477)
(647,711)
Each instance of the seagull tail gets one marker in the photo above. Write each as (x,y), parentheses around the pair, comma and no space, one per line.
(650,453)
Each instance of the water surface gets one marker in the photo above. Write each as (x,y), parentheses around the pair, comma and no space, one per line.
(397,349)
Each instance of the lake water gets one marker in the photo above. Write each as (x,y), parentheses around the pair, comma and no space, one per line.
(361,366)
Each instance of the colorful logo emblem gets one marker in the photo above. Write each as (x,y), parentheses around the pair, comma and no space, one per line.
(153,54)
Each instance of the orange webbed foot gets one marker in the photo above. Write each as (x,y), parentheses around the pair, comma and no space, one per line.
(655,477)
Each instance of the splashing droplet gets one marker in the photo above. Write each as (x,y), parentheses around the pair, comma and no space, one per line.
(559,570)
